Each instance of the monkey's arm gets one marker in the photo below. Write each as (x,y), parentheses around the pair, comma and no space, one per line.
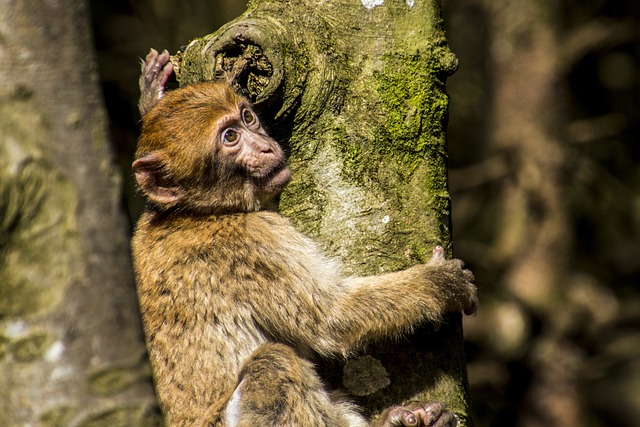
(381,306)
(315,308)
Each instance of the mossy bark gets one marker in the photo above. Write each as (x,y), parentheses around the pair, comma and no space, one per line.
(71,349)
(356,91)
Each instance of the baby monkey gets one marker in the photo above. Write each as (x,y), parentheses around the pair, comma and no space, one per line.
(234,300)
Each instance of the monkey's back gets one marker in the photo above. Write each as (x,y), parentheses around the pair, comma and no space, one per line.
(196,278)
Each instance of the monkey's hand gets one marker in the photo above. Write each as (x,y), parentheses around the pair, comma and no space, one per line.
(431,414)
(461,294)
(156,70)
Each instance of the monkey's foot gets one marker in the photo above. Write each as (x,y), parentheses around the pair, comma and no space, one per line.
(431,414)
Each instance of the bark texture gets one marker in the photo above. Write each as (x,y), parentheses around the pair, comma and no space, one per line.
(71,349)
(356,89)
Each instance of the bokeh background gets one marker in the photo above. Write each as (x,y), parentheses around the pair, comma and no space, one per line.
(544,144)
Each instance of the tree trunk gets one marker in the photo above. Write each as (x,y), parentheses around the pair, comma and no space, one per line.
(71,349)
(356,89)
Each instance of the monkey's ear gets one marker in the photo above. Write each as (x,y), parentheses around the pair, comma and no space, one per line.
(152,180)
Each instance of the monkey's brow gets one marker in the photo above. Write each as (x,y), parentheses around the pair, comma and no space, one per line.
(229,119)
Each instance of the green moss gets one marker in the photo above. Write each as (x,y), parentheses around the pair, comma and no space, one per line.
(113,417)
(113,380)
(193,67)
(357,160)
(411,98)
(451,391)
(128,416)
(38,243)
(4,345)
(57,417)
(29,348)
(414,103)
(304,204)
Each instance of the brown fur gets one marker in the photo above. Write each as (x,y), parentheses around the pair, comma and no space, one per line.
(233,298)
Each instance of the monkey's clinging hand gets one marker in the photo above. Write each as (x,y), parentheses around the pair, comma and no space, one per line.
(234,300)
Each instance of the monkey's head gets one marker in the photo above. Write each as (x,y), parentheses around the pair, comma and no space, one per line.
(202,149)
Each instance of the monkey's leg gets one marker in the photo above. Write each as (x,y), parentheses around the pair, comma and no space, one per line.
(279,388)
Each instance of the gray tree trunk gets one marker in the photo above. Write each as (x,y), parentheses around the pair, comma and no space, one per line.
(356,88)
(71,349)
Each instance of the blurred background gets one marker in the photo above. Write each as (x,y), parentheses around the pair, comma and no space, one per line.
(544,144)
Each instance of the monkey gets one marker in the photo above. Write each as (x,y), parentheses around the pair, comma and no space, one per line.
(235,302)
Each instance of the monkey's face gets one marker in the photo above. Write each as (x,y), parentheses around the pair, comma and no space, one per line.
(244,143)
(203,149)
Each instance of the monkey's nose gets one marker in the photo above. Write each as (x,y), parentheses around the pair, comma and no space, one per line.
(262,145)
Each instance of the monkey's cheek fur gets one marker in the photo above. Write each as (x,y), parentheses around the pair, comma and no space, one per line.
(275,182)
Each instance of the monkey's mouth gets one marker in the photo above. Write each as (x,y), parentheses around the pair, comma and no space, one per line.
(276,180)
(279,177)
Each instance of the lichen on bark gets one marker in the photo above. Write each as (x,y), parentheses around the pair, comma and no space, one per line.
(36,229)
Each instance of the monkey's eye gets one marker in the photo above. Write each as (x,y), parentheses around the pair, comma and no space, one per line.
(248,117)
(230,136)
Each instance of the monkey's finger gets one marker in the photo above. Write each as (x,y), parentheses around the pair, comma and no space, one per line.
(156,64)
(435,414)
(437,255)
(400,417)
(446,419)
(151,56)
